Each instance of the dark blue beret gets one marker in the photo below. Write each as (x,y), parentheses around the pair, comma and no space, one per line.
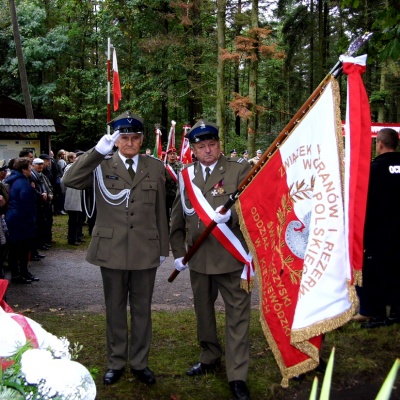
(127,123)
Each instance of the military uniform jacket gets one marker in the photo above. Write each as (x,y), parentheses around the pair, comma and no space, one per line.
(131,235)
(211,257)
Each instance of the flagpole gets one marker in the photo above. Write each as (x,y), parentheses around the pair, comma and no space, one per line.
(108,84)
(169,139)
(281,138)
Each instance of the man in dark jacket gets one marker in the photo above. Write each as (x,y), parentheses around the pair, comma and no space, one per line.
(381,270)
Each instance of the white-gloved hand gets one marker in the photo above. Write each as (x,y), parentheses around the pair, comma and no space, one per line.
(162,259)
(221,218)
(106,143)
(179,265)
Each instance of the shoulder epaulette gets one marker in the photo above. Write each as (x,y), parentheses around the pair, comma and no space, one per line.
(187,165)
(155,158)
(239,160)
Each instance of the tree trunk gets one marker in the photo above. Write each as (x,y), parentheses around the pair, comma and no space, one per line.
(252,126)
(21,63)
(221,4)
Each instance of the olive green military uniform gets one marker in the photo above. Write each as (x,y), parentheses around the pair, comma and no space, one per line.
(213,268)
(128,239)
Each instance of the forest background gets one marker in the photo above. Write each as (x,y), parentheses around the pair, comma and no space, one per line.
(247,65)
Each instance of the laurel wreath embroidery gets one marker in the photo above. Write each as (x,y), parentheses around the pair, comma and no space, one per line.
(301,192)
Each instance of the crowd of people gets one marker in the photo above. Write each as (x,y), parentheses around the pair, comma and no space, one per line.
(31,193)
(144,207)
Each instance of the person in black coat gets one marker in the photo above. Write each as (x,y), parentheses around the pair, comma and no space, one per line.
(21,220)
(381,269)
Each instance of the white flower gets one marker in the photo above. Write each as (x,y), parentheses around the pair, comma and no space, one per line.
(34,364)
(68,379)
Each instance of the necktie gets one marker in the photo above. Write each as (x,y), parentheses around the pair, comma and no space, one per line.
(207,174)
(130,169)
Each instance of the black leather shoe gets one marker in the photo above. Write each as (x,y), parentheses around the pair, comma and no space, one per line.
(112,376)
(145,375)
(20,280)
(201,369)
(74,243)
(35,258)
(29,276)
(239,390)
(40,255)
(376,323)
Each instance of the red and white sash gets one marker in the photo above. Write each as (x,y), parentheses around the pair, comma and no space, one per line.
(221,231)
(172,173)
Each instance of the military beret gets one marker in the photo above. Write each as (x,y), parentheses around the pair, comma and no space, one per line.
(202,130)
(245,152)
(127,123)
(233,151)
(171,150)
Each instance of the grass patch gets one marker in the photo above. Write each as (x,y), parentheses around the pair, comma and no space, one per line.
(361,356)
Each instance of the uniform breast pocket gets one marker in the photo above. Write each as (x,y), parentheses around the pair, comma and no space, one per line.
(114,186)
(149,191)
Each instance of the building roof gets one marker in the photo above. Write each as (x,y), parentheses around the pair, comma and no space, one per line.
(23,125)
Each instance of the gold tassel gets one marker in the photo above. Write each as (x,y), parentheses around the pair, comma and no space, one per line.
(246,285)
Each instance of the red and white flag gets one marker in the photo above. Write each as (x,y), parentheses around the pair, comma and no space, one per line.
(293,220)
(186,153)
(357,160)
(116,84)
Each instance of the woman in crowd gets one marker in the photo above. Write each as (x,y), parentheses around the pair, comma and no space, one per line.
(21,220)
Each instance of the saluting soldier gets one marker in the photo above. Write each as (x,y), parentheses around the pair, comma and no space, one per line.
(129,239)
(205,187)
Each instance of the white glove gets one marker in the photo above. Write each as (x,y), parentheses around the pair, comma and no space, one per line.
(106,143)
(179,266)
(162,259)
(221,218)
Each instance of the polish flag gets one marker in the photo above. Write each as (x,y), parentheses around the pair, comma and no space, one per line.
(116,84)
(186,152)
(294,224)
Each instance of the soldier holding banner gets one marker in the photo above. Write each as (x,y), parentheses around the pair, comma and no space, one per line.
(219,263)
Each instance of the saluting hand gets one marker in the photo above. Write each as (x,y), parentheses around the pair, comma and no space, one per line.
(107,142)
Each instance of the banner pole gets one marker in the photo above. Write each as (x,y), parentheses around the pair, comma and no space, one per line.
(108,84)
(283,135)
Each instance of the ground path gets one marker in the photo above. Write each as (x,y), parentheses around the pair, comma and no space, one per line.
(69,283)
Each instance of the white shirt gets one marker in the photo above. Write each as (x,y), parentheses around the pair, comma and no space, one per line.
(135,161)
(203,169)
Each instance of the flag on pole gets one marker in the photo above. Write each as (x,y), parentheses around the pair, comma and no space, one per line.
(357,160)
(171,140)
(158,145)
(116,84)
(292,216)
(186,153)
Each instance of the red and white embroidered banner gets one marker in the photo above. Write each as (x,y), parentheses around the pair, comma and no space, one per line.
(357,151)
(292,216)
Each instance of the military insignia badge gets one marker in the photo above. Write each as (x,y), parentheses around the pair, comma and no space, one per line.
(218,188)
